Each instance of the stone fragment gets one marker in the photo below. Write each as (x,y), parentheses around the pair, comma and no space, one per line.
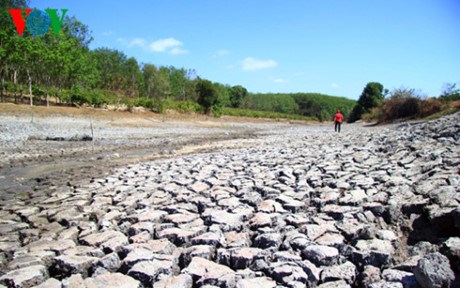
(112,280)
(179,281)
(97,239)
(147,271)
(204,251)
(237,258)
(335,284)
(257,282)
(289,274)
(84,251)
(66,265)
(331,239)
(375,252)
(227,221)
(268,240)
(23,261)
(406,278)
(385,284)
(338,212)
(321,255)
(110,262)
(74,281)
(58,246)
(207,271)
(434,271)
(269,206)
(260,220)
(216,239)
(25,277)
(50,283)
(346,271)
(236,239)
(370,274)
(177,236)
(451,248)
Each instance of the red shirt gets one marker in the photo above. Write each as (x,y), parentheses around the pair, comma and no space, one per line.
(338,117)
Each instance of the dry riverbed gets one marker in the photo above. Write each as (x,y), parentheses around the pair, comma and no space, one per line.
(140,200)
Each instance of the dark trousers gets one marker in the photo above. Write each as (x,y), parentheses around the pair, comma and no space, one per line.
(337,126)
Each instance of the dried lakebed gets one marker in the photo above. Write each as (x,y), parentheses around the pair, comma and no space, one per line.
(304,207)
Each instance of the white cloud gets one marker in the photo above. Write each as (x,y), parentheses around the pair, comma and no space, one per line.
(162,45)
(220,53)
(252,64)
(137,42)
(335,85)
(177,51)
(279,80)
(169,45)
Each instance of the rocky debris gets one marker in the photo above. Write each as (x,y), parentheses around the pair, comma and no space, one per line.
(112,280)
(180,281)
(25,277)
(257,282)
(205,272)
(379,208)
(67,265)
(321,255)
(346,271)
(433,270)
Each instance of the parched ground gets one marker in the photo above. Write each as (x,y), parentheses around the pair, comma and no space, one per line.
(164,201)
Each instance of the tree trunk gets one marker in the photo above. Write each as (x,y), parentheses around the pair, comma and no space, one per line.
(29,82)
(3,88)
(47,99)
(15,87)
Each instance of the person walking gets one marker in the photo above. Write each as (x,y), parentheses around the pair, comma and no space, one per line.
(338,118)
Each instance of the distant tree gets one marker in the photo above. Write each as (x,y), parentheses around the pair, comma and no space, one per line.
(133,77)
(111,64)
(237,95)
(207,95)
(156,84)
(178,80)
(450,92)
(372,96)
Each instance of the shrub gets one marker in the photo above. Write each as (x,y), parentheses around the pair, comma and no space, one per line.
(356,113)
(375,114)
(217,110)
(38,91)
(264,114)
(397,108)
(429,107)
(78,95)
(207,95)
(183,106)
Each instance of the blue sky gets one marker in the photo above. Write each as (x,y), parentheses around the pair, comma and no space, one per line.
(328,46)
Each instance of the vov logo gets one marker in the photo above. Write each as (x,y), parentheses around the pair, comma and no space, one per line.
(38,22)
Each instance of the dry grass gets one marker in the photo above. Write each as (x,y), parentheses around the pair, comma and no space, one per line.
(144,118)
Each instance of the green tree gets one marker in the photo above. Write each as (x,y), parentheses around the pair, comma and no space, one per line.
(237,94)
(450,92)
(207,95)
(110,64)
(133,77)
(178,80)
(156,84)
(10,65)
(372,96)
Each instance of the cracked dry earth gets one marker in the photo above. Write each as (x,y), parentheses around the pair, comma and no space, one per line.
(305,207)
